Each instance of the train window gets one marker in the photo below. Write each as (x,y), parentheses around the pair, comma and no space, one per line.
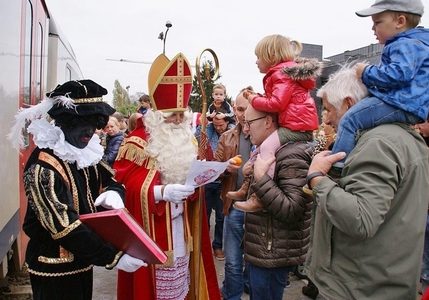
(28,53)
(39,62)
(28,41)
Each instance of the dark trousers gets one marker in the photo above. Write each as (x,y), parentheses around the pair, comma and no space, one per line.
(72,287)
(213,202)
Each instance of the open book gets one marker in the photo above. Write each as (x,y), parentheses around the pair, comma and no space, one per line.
(121,230)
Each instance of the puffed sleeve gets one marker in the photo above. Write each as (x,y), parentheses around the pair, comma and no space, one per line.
(52,212)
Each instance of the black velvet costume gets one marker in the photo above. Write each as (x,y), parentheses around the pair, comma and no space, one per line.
(62,179)
(61,248)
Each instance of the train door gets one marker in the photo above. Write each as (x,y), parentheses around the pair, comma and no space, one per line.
(34,36)
(10,55)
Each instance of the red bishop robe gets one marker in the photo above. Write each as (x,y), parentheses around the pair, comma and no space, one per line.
(136,171)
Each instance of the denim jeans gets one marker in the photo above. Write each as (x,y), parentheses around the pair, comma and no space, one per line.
(235,276)
(367,113)
(267,283)
(213,202)
(425,265)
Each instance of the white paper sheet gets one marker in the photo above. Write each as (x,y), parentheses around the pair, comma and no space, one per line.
(203,172)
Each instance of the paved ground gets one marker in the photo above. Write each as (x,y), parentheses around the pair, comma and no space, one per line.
(105,283)
(105,286)
(18,287)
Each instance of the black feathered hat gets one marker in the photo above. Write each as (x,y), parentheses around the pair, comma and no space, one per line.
(79,98)
(67,103)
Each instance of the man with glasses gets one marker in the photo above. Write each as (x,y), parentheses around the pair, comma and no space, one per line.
(276,238)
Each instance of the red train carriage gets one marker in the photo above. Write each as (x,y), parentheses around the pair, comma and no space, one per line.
(34,58)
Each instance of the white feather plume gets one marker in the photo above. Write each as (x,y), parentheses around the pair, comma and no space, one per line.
(65,101)
(23,117)
(39,111)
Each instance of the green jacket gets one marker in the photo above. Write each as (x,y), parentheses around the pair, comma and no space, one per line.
(368,233)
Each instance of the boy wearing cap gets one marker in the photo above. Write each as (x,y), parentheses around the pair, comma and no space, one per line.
(64,178)
(398,86)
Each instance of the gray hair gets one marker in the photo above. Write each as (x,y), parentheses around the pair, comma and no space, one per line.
(343,84)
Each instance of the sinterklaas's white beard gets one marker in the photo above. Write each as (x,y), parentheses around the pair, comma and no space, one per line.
(172,146)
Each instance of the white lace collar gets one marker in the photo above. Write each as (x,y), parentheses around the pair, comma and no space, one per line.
(46,135)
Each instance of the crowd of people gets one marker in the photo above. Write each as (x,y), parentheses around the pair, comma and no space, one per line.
(347,195)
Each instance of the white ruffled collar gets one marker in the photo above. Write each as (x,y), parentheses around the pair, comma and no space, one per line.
(47,135)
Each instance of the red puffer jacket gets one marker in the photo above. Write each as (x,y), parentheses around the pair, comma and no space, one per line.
(287,92)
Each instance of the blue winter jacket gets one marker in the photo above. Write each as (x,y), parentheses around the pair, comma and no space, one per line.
(112,147)
(402,78)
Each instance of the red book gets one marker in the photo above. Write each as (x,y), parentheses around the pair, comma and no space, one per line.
(121,230)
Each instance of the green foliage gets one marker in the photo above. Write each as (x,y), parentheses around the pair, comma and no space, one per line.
(121,100)
(195,101)
(128,110)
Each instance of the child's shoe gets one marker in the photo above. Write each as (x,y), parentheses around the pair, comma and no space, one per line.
(241,193)
(250,205)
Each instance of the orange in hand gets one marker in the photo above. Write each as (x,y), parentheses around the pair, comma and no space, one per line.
(236,160)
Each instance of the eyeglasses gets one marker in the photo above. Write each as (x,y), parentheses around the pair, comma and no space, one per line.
(248,123)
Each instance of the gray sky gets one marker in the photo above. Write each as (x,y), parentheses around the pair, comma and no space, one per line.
(129,29)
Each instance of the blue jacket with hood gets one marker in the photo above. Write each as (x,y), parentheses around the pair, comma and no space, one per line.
(402,78)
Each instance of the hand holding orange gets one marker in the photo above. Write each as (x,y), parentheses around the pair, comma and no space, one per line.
(236,160)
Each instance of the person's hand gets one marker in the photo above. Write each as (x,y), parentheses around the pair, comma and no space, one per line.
(261,166)
(220,116)
(249,95)
(109,200)
(323,161)
(177,193)
(212,115)
(360,67)
(129,264)
(232,166)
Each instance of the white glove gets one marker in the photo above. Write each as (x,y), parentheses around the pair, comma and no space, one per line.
(109,200)
(129,264)
(177,192)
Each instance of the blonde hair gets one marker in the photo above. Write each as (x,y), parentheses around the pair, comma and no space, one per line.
(132,121)
(219,86)
(276,48)
(412,20)
(114,120)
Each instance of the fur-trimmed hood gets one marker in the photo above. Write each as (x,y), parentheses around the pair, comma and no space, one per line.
(305,68)
(305,71)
